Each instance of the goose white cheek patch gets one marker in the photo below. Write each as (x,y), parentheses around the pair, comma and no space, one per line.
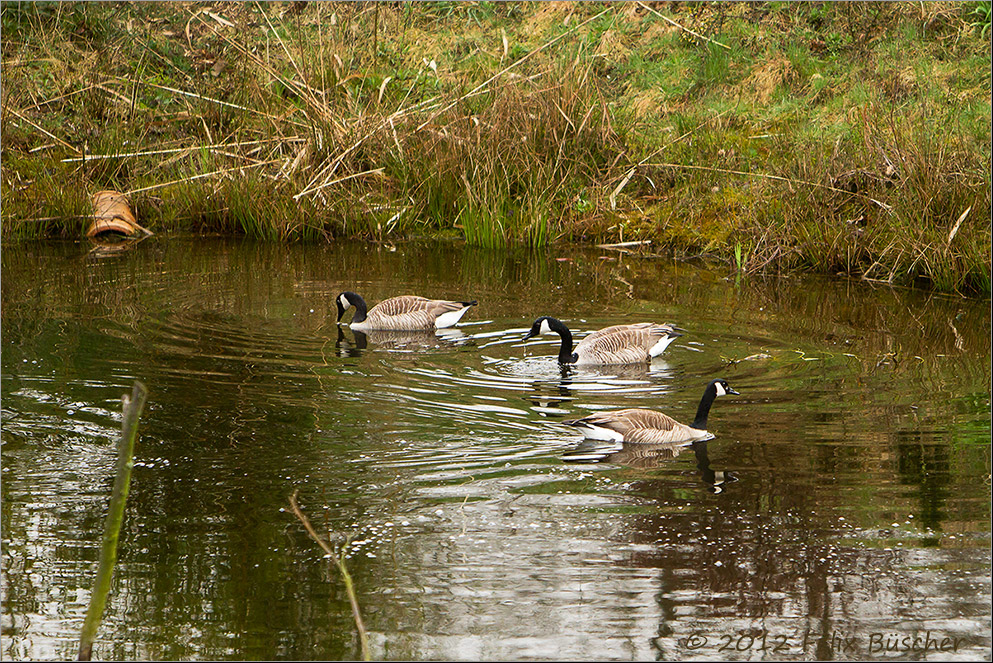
(344,302)
(544,329)
(720,389)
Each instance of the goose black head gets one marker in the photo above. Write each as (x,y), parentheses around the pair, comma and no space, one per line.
(346,300)
(544,325)
(549,325)
(721,387)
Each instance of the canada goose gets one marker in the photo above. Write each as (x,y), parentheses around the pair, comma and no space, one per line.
(638,426)
(620,344)
(404,313)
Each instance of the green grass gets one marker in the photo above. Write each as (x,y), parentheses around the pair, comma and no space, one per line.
(825,136)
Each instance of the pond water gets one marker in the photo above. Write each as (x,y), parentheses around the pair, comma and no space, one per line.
(842,511)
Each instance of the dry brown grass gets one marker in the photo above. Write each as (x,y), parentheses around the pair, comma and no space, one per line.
(534,121)
(766,77)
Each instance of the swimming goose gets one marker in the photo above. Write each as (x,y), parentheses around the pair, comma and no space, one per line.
(638,426)
(620,344)
(404,313)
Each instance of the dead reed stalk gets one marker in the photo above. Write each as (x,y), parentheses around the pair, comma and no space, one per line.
(346,576)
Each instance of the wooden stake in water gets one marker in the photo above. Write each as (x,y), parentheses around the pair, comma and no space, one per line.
(108,551)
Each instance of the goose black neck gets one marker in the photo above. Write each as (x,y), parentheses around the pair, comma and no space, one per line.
(566,355)
(709,394)
(355,300)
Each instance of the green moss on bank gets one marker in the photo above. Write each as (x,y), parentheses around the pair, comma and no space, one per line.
(826,136)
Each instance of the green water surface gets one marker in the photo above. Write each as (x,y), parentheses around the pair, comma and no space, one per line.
(842,511)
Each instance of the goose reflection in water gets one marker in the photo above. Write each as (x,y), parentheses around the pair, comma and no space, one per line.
(400,341)
(649,456)
(572,379)
(547,396)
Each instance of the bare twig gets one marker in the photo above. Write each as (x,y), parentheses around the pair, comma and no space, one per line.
(285,50)
(329,169)
(955,228)
(61,97)
(52,136)
(374,171)
(630,174)
(194,95)
(57,218)
(683,28)
(512,65)
(624,245)
(306,92)
(349,587)
(333,164)
(189,148)
(624,182)
(201,176)
(688,133)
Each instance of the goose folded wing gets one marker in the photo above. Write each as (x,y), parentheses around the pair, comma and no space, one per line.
(438,307)
(619,346)
(631,331)
(650,427)
(405,312)
(402,305)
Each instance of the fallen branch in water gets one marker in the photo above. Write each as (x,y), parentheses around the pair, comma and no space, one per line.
(349,587)
(624,245)
(108,551)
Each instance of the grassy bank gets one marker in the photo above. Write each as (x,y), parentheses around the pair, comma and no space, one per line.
(833,137)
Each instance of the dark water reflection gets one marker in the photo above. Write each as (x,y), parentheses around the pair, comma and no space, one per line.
(843,506)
